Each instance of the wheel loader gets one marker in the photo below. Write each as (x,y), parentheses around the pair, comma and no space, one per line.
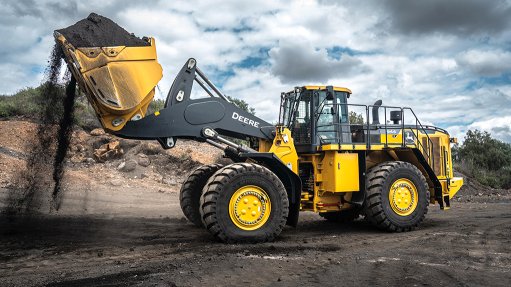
(325,155)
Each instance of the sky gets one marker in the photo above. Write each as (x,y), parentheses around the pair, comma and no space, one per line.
(448,60)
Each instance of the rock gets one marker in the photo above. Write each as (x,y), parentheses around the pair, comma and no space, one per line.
(97,132)
(79,137)
(143,160)
(108,151)
(169,181)
(80,148)
(127,166)
(97,142)
(128,144)
(115,145)
(116,182)
(150,148)
(76,159)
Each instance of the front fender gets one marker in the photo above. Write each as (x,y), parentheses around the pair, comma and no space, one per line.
(291,181)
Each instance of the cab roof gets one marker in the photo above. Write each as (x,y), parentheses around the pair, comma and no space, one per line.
(339,89)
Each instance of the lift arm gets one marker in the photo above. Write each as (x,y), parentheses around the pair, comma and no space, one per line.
(200,119)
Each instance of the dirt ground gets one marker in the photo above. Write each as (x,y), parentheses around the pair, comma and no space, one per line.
(119,228)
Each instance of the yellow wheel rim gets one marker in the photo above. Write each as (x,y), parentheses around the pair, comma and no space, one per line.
(249,207)
(403,197)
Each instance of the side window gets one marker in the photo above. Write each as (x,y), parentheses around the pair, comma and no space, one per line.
(302,120)
(302,114)
(325,118)
(343,108)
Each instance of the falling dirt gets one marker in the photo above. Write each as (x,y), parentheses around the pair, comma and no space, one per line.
(34,182)
(64,138)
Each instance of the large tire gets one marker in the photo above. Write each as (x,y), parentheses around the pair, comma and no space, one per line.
(343,216)
(191,190)
(397,196)
(241,192)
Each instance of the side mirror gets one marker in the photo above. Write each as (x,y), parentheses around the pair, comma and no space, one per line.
(329,96)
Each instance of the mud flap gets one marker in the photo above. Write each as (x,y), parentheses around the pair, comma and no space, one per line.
(443,200)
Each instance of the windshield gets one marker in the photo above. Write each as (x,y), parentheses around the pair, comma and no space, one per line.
(331,111)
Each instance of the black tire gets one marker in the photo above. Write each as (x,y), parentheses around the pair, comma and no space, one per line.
(377,207)
(215,202)
(343,216)
(191,190)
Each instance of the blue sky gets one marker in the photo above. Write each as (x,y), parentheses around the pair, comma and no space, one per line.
(448,60)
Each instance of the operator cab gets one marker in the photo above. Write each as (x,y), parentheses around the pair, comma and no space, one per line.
(316,115)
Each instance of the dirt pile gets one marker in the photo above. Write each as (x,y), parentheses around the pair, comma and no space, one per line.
(473,191)
(142,165)
(99,31)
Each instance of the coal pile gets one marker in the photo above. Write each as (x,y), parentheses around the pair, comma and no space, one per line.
(99,31)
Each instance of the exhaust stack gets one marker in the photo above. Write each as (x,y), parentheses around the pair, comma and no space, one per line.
(376,116)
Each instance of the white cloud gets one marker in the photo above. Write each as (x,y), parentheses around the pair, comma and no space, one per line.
(499,127)
(486,63)
(440,69)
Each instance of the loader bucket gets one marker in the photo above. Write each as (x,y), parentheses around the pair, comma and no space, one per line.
(119,81)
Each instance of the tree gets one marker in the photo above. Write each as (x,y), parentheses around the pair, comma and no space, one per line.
(484,151)
(355,118)
(486,159)
(155,105)
(241,104)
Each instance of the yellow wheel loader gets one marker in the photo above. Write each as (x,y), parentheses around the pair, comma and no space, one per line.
(325,155)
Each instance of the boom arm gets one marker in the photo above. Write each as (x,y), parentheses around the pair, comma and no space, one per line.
(199,119)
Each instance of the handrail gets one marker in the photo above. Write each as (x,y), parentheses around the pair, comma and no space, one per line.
(414,128)
(430,142)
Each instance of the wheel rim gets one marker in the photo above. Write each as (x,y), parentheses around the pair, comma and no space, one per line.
(249,207)
(403,197)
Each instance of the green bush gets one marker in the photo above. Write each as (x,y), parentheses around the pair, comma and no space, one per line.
(155,106)
(28,103)
(355,118)
(241,104)
(486,159)
(25,103)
